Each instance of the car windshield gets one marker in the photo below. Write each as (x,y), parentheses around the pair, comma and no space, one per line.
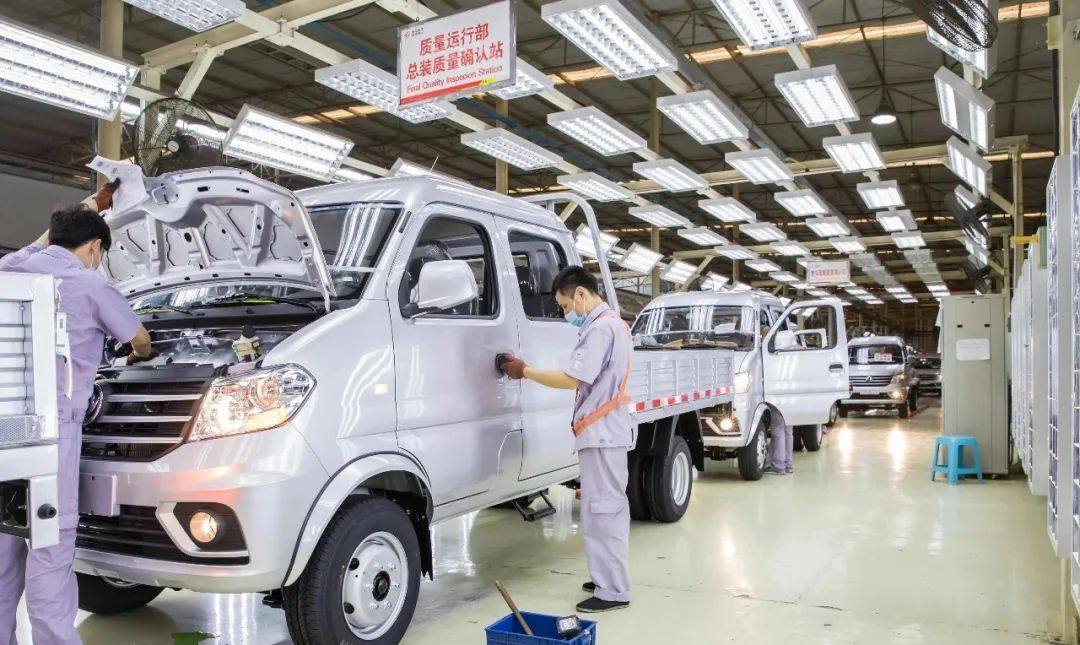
(694,327)
(352,237)
(928,363)
(875,354)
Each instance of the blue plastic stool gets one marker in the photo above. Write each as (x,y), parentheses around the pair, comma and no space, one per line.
(952,467)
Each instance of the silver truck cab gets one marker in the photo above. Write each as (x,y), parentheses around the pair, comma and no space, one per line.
(811,373)
(882,373)
(928,371)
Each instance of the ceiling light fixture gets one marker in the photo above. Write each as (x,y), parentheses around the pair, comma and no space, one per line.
(969,166)
(735,252)
(344,174)
(790,248)
(785,277)
(855,152)
(671,175)
(761,24)
(511,148)
(727,209)
(908,240)
(714,281)
(678,272)
(527,81)
(659,216)
(378,87)
(596,187)
(879,195)
(895,221)
(818,95)
(703,116)
(593,128)
(702,236)
(885,114)
(196,15)
(826,227)
(583,240)
(761,265)
(847,244)
(964,109)
(760,166)
(983,61)
(802,203)
(278,142)
(638,258)
(763,231)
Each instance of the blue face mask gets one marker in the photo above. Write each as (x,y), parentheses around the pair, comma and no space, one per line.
(577,320)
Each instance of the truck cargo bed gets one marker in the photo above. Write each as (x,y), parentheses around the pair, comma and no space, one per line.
(664,383)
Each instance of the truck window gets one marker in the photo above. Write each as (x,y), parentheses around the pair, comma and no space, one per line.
(811,328)
(691,327)
(445,238)
(884,353)
(764,323)
(536,261)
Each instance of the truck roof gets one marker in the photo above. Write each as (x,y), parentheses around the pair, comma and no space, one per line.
(877,340)
(700,298)
(415,191)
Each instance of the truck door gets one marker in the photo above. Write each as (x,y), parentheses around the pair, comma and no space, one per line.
(805,362)
(455,411)
(546,343)
(28,416)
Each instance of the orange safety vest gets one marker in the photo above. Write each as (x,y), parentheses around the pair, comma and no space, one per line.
(607,407)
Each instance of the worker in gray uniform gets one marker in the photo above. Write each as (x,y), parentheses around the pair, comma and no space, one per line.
(71,251)
(598,370)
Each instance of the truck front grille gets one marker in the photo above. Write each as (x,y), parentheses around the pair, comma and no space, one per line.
(141,413)
(137,532)
(870,381)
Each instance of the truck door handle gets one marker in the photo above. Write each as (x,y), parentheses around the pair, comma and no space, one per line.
(836,367)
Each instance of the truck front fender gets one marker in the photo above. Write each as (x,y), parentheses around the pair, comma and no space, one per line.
(377,470)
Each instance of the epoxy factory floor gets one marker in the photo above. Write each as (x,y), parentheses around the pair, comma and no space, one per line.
(856,547)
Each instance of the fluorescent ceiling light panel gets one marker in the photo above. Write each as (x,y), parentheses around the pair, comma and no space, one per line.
(967,198)
(983,61)
(271,140)
(763,231)
(130,111)
(659,216)
(873,300)
(590,126)
(855,152)
(938,289)
(857,291)
(879,195)
(611,35)
(964,109)
(702,236)
(727,209)
(908,240)
(919,256)
(739,286)
(969,166)
(760,166)
(895,221)
(817,293)
(828,226)
(714,282)
(596,187)
(761,24)
(908,301)
(344,174)
(761,265)
(865,260)
(802,203)
(378,87)
(671,175)
(735,252)
(41,67)
(678,271)
(584,242)
(785,277)
(801,286)
(638,258)
(196,15)
(527,81)
(847,244)
(790,248)
(818,95)
(703,116)
(511,148)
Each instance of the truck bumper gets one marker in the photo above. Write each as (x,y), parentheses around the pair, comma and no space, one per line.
(872,397)
(267,480)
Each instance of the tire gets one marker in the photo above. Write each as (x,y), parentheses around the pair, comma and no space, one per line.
(99,595)
(904,409)
(796,441)
(834,412)
(841,411)
(370,539)
(670,480)
(810,437)
(751,462)
(635,487)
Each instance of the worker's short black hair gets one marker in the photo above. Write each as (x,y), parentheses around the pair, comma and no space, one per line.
(76,224)
(573,277)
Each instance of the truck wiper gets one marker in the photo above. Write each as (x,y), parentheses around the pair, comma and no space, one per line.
(149,309)
(249,298)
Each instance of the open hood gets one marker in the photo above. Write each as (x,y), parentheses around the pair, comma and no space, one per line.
(212,226)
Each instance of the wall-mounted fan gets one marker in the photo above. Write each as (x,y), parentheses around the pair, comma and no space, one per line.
(971,220)
(175,134)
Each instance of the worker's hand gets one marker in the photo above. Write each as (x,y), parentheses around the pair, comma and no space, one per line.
(133,358)
(513,367)
(103,197)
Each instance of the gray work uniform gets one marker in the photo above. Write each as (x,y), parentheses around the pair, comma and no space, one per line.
(600,362)
(94,309)
(783,441)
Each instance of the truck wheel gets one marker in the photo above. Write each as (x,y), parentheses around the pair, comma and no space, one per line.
(904,409)
(635,487)
(99,595)
(670,480)
(362,581)
(841,411)
(796,440)
(810,436)
(754,456)
(834,412)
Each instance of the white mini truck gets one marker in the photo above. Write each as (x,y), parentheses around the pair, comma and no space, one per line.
(327,390)
(794,361)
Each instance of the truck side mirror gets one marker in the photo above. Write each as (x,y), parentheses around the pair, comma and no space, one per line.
(443,284)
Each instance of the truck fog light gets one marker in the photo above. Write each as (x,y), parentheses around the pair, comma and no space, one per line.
(726,424)
(203,527)
(898,394)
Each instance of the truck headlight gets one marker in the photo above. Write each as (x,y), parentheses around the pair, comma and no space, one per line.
(742,382)
(253,401)
(899,378)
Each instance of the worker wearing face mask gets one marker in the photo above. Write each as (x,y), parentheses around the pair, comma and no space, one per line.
(71,251)
(598,370)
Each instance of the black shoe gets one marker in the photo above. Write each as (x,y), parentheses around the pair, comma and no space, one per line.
(595,606)
(589,587)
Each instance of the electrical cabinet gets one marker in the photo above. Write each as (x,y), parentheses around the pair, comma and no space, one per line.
(974,394)
(1028,369)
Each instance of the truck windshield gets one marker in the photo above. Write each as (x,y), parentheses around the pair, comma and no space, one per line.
(928,363)
(694,327)
(352,238)
(875,354)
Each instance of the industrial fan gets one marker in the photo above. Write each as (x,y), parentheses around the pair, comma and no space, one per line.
(968,24)
(175,134)
(971,220)
(978,276)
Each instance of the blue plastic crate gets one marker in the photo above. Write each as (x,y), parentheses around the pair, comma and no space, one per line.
(507,631)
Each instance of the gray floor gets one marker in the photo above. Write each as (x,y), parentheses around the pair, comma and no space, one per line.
(856,547)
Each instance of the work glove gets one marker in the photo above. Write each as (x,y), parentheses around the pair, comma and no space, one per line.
(513,366)
(103,198)
(132,358)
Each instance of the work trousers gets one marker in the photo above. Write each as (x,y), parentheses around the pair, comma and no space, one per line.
(605,520)
(783,442)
